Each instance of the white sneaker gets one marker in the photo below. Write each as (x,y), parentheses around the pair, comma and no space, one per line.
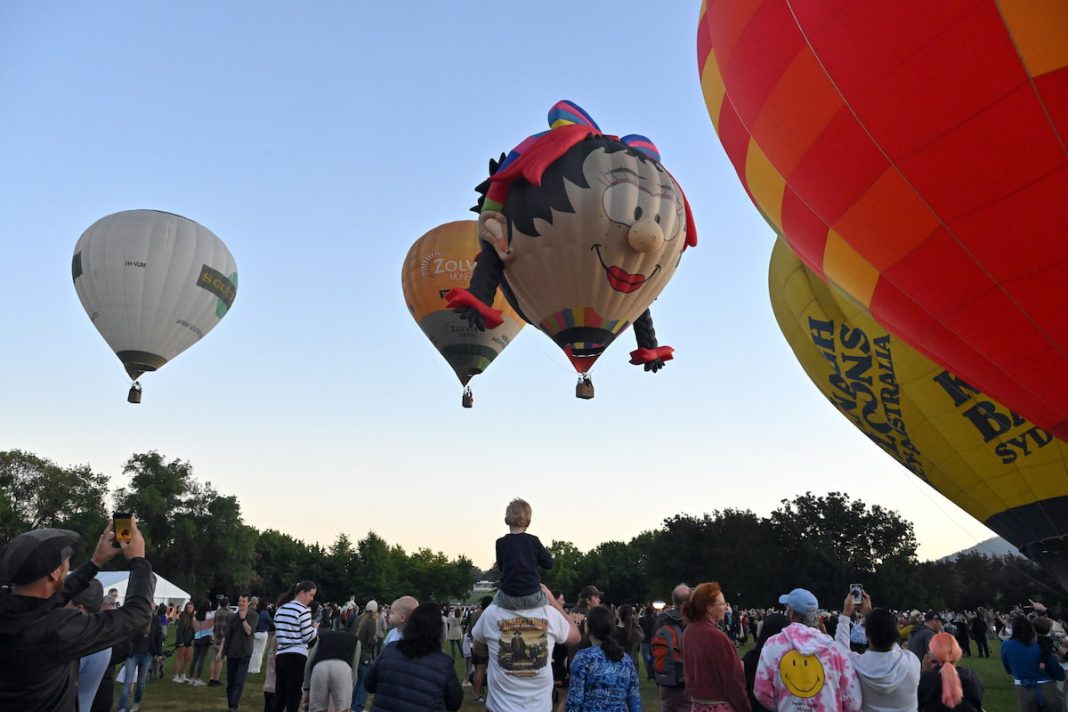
(135,708)
(199,683)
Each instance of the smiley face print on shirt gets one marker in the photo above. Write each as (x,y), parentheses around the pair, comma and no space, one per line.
(802,675)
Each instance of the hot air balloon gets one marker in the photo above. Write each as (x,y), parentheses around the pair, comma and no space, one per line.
(581,231)
(1007,472)
(153,284)
(914,154)
(436,263)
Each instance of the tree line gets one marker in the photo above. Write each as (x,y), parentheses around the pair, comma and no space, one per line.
(200,541)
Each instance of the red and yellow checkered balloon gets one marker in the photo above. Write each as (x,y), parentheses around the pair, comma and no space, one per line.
(914,154)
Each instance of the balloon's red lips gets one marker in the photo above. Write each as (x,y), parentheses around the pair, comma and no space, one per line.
(623,281)
(620,279)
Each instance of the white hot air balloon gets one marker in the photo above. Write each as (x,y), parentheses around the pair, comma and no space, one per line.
(153,284)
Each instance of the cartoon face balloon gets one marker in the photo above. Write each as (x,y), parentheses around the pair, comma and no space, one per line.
(583,231)
(913,153)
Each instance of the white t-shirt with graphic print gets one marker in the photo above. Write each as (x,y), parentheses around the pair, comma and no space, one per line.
(520,654)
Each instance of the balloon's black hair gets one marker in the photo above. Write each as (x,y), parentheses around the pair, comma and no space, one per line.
(526,201)
(644,333)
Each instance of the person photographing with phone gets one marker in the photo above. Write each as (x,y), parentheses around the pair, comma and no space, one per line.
(888,675)
(236,646)
(40,638)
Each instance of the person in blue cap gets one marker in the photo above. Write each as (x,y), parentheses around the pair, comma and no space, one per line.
(801,668)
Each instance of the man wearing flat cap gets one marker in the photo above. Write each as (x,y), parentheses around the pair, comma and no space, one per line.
(922,632)
(41,638)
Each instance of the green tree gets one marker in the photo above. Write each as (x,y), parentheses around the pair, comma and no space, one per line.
(156,495)
(195,537)
(611,567)
(434,577)
(36,492)
(279,563)
(340,568)
(731,547)
(566,571)
(832,541)
(380,569)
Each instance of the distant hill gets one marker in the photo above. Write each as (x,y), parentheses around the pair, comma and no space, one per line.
(991,547)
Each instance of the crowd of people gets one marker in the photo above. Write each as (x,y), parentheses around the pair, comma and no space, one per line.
(64,645)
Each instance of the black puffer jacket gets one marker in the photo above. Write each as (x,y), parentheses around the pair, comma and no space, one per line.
(403,684)
(41,641)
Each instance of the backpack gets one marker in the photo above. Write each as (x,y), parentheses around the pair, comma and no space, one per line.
(666,649)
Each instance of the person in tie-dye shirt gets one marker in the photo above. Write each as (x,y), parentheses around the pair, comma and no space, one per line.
(801,669)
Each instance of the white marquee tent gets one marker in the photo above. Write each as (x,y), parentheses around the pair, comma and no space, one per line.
(166,592)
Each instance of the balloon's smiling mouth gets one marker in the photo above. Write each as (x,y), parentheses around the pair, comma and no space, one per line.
(619,278)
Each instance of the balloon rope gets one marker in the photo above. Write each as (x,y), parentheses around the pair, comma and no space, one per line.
(914,481)
(551,357)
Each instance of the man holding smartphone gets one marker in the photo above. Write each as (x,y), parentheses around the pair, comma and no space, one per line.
(40,638)
(236,645)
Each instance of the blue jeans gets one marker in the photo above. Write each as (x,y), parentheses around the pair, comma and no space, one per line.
(359,693)
(647,656)
(236,672)
(141,663)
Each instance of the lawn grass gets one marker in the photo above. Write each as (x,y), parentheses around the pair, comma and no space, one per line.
(166,696)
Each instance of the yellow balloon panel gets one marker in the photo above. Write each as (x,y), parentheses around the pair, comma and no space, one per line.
(440,260)
(1002,469)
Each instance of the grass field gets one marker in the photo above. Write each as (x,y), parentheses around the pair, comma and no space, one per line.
(166,696)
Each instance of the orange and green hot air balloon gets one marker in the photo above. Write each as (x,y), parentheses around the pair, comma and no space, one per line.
(439,261)
(915,154)
(581,231)
(1005,471)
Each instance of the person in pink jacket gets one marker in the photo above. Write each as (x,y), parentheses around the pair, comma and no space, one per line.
(801,669)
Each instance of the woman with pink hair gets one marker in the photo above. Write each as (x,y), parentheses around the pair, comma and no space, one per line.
(944,686)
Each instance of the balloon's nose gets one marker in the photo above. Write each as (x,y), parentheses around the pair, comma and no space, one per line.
(645,236)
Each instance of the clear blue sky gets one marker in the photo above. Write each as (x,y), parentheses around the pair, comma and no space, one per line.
(319,140)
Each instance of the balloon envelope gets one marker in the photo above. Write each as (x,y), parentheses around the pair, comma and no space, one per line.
(441,260)
(1005,471)
(153,284)
(595,227)
(913,153)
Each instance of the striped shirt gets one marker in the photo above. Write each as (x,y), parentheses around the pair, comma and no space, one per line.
(293,628)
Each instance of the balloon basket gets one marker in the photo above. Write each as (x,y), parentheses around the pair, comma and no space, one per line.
(134,396)
(468,398)
(584,387)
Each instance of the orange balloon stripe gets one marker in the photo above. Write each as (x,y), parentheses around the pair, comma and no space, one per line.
(1039,37)
(949,141)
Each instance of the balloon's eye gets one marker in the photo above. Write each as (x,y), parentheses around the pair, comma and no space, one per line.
(637,213)
(657,219)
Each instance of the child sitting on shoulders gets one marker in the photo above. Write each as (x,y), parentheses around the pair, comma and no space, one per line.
(518,557)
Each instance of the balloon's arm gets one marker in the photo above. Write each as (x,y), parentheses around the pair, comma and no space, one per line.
(477,313)
(649,353)
(475,304)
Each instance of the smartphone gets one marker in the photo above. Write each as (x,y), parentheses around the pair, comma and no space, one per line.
(856,590)
(123,528)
